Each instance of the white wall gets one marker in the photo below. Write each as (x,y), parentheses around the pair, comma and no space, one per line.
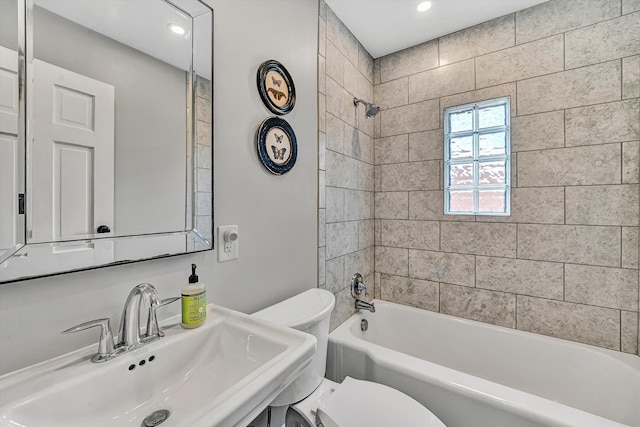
(277,216)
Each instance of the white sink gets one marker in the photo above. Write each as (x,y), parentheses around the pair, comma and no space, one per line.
(221,374)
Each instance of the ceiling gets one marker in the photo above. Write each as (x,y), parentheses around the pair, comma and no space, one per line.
(387,26)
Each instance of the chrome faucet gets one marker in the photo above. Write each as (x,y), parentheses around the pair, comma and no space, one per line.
(129,336)
(357,286)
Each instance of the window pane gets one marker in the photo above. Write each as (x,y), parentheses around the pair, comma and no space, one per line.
(461,174)
(492,116)
(461,148)
(492,172)
(492,201)
(461,121)
(461,201)
(492,144)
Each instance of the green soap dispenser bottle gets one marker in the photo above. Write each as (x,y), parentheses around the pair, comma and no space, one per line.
(194,302)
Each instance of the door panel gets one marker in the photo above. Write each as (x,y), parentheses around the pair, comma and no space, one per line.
(73,155)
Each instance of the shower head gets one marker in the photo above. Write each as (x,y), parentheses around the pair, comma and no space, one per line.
(372,109)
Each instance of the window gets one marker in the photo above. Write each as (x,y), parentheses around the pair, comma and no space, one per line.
(476,155)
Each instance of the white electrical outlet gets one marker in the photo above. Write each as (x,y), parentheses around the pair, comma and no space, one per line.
(227,243)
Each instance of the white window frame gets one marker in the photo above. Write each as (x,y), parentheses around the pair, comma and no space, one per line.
(476,132)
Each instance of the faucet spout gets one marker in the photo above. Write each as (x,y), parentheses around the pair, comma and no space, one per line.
(129,332)
(365,305)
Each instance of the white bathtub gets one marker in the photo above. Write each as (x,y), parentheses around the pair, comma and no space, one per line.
(472,374)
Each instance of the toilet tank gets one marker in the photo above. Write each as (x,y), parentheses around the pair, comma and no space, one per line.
(308,312)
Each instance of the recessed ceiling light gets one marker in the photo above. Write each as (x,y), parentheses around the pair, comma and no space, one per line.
(177,29)
(424,6)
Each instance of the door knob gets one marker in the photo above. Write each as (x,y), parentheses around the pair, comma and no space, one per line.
(103,229)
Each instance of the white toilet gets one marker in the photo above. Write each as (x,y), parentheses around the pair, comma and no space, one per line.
(314,400)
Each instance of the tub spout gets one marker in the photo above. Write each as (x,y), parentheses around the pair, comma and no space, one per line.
(365,305)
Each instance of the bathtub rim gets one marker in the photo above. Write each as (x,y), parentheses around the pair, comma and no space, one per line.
(494,394)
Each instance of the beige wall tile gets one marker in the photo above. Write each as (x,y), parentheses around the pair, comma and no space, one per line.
(602,123)
(483,38)
(457,269)
(340,36)
(393,149)
(321,267)
(631,77)
(497,308)
(335,204)
(342,238)
(392,260)
(358,144)
(629,332)
(521,62)
(602,286)
(322,190)
(394,93)
(322,232)
(411,234)
(442,81)
(322,35)
(335,280)
(630,247)
(536,205)
(537,131)
(576,322)
(322,111)
(558,16)
(427,145)
(583,86)
(322,150)
(322,74)
(335,133)
(367,177)
(377,178)
(597,164)
(334,64)
(356,83)
(523,277)
(410,118)
(411,176)
(358,205)
(604,41)
(593,245)
(359,262)
(365,63)
(479,238)
(413,292)
(429,205)
(603,205)
(409,61)
(342,171)
(366,236)
(343,309)
(392,205)
(339,101)
(508,89)
(629,6)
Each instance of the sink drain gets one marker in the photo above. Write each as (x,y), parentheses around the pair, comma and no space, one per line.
(156,418)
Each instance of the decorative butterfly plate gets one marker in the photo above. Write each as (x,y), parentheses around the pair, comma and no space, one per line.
(276,87)
(277,146)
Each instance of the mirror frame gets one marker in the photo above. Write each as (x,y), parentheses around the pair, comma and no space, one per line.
(22,261)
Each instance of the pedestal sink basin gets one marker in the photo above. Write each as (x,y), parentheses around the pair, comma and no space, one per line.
(221,374)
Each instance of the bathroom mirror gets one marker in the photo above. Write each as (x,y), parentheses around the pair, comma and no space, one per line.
(105,137)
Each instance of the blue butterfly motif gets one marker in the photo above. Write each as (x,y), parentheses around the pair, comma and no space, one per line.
(278,154)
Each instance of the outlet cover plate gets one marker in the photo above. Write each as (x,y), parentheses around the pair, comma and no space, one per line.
(227,250)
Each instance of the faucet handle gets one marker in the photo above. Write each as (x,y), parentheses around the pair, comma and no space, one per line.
(153,331)
(357,286)
(105,344)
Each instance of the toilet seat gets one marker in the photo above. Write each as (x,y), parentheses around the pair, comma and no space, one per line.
(357,403)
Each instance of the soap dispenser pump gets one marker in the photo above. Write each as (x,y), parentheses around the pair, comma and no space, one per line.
(194,302)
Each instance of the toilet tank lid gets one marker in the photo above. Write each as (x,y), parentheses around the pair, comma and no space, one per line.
(300,311)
